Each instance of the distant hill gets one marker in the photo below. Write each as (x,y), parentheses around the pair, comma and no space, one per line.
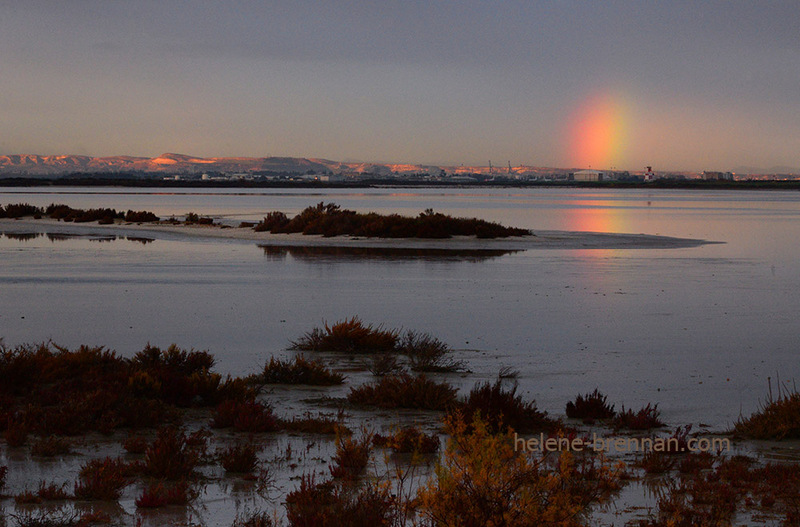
(50,166)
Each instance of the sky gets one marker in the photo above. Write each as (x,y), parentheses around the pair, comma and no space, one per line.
(703,85)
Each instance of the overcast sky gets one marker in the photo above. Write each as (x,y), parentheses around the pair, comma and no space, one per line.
(687,85)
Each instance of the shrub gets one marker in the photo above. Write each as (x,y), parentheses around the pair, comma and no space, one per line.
(27,498)
(18,210)
(172,455)
(590,407)
(299,371)
(161,494)
(405,391)
(245,416)
(427,353)
(351,457)
(350,336)
(483,481)
(327,505)
(241,457)
(102,479)
(50,447)
(3,476)
(409,439)
(141,216)
(656,462)
(503,408)
(644,419)
(331,220)
(780,419)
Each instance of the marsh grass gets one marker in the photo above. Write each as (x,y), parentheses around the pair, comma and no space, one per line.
(162,494)
(352,456)
(408,439)
(51,447)
(173,455)
(241,457)
(426,353)
(329,505)
(103,479)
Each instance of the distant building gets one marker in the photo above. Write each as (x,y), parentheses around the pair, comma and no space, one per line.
(587,175)
(649,175)
(718,176)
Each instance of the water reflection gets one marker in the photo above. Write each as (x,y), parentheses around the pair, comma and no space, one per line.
(63,237)
(321,253)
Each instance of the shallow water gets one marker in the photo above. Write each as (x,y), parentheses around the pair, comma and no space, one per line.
(697,330)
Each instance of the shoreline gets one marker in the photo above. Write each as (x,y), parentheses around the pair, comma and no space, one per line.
(540,240)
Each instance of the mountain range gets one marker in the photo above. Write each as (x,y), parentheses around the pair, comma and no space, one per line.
(167,164)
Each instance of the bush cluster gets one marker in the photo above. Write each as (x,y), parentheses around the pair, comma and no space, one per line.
(331,220)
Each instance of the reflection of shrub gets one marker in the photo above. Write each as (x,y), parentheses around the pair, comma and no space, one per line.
(780,419)
(299,371)
(590,406)
(502,408)
(405,391)
(351,336)
(644,419)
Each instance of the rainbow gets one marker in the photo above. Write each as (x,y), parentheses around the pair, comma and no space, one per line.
(597,133)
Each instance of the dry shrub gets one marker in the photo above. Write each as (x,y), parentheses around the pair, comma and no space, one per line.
(405,391)
(590,407)
(328,505)
(502,408)
(382,364)
(52,492)
(349,336)
(780,419)
(483,481)
(299,371)
(134,444)
(141,216)
(645,419)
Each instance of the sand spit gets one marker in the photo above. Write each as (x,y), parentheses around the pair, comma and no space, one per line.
(541,240)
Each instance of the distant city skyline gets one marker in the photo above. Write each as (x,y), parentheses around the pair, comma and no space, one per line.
(677,85)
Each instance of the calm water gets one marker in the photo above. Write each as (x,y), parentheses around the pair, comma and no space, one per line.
(696,330)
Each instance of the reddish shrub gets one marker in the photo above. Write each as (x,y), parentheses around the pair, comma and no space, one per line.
(299,371)
(171,456)
(102,479)
(245,416)
(351,457)
(644,419)
(241,457)
(350,336)
(502,408)
(326,505)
